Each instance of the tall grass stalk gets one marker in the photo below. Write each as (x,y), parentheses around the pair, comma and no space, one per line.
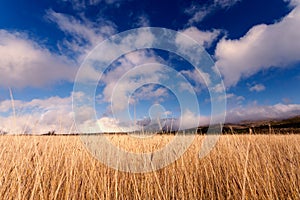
(240,166)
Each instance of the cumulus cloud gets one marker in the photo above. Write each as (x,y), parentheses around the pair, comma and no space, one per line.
(23,62)
(55,113)
(107,124)
(37,116)
(40,116)
(189,119)
(264,46)
(257,88)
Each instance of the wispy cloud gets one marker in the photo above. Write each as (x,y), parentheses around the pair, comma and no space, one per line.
(199,12)
(142,21)
(84,34)
(203,38)
(199,79)
(81,5)
(257,88)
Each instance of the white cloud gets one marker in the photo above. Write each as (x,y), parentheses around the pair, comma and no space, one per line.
(114,86)
(85,34)
(80,29)
(199,12)
(204,38)
(38,116)
(189,120)
(142,21)
(219,88)
(192,120)
(240,98)
(107,124)
(23,62)
(133,80)
(138,38)
(109,52)
(226,3)
(185,86)
(254,112)
(81,5)
(264,46)
(199,78)
(150,92)
(293,2)
(167,113)
(232,100)
(257,88)
(199,15)
(119,87)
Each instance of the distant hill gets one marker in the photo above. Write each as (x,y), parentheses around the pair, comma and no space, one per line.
(278,126)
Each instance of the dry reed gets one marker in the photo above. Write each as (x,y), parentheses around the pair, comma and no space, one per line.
(59,167)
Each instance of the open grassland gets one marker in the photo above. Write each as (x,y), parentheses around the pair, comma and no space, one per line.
(239,167)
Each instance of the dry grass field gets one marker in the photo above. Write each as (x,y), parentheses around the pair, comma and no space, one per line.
(239,167)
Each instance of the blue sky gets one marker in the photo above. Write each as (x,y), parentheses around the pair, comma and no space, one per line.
(254,44)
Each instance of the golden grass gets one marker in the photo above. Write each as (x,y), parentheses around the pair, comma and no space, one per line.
(240,166)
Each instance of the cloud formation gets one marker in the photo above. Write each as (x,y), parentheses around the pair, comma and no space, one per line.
(124,65)
(293,2)
(40,116)
(81,5)
(85,35)
(199,12)
(55,113)
(257,88)
(204,38)
(23,63)
(263,47)
(277,111)
(37,116)
(142,21)
(199,79)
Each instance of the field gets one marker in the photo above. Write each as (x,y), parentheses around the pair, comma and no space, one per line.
(239,167)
